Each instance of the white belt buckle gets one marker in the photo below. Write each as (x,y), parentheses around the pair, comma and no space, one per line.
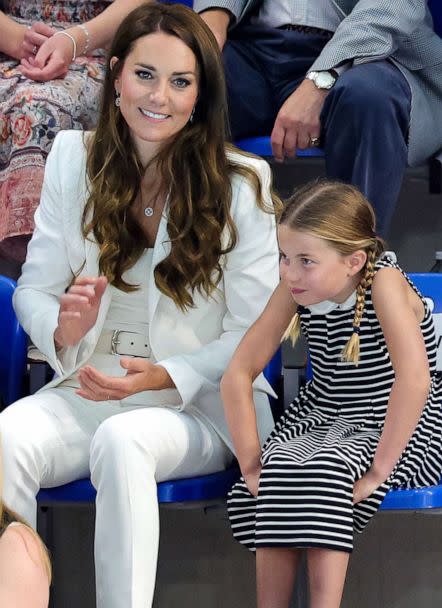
(115,341)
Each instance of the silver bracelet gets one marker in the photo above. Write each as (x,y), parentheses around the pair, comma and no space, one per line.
(72,39)
(87,36)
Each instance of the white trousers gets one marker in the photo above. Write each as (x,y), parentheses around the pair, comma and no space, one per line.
(56,436)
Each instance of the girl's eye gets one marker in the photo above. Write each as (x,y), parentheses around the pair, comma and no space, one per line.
(181,83)
(144,74)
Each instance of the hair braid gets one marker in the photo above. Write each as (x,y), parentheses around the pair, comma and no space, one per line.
(293,329)
(350,352)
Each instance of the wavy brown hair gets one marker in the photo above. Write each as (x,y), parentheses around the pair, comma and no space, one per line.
(195,169)
(341,215)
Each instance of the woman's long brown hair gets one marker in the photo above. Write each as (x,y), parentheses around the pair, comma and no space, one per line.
(195,168)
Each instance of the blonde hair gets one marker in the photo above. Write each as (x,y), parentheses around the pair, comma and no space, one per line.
(7,516)
(339,214)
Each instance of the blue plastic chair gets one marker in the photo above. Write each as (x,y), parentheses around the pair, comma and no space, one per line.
(201,489)
(261,147)
(430,285)
(12,346)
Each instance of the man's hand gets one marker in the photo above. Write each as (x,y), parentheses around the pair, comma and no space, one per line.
(142,375)
(218,20)
(298,120)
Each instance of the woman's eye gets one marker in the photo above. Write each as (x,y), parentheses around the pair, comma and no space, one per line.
(282,257)
(181,83)
(144,74)
(306,261)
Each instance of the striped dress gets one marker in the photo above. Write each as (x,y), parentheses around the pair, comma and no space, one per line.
(327,439)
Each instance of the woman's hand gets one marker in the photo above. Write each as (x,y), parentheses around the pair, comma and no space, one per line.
(365,486)
(252,480)
(51,61)
(34,36)
(142,375)
(79,310)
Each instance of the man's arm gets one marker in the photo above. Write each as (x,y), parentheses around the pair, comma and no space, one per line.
(236,8)
(373,30)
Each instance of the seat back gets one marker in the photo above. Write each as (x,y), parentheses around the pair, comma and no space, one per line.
(12,346)
(436,11)
(430,286)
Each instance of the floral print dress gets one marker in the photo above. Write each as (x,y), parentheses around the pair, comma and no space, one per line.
(32,113)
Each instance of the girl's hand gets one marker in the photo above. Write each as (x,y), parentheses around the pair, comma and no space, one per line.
(252,480)
(142,375)
(79,308)
(34,37)
(51,61)
(365,486)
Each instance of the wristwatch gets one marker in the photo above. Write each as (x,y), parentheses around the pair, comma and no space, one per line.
(322,80)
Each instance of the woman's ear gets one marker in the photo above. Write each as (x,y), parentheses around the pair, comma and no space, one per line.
(112,62)
(356,261)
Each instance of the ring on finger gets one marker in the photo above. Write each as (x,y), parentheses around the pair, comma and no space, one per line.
(34,49)
(315,142)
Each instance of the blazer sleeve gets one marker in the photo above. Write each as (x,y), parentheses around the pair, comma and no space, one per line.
(47,271)
(236,7)
(251,274)
(373,30)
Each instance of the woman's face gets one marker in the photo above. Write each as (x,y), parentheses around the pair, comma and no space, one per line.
(158,87)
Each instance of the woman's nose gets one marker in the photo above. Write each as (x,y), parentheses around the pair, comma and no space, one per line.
(159,93)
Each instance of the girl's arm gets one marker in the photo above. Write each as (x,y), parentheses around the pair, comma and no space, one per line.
(254,351)
(56,54)
(400,311)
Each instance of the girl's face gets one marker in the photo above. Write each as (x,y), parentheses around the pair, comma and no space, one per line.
(314,271)
(158,87)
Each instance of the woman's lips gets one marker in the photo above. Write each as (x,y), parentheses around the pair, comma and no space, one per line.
(296,292)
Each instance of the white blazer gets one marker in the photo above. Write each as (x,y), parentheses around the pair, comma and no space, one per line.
(194,347)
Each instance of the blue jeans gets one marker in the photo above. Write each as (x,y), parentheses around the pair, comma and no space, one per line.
(365,118)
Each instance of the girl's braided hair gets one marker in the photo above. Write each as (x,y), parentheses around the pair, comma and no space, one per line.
(342,216)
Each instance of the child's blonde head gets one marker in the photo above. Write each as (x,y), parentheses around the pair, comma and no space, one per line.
(339,214)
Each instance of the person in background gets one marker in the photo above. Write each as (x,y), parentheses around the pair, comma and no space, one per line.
(154,250)
(51,74)
(369,419)
(25,569)
(361,78)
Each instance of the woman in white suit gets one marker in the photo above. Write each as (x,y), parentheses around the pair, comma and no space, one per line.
(154,251)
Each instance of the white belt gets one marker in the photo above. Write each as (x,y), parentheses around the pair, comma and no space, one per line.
(122,342)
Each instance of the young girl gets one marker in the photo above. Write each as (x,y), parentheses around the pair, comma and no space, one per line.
(25,570)
(369,421)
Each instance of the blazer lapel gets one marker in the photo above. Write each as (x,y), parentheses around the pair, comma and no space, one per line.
(160,251)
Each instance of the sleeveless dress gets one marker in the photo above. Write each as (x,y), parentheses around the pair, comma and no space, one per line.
(327,438)
(32,113)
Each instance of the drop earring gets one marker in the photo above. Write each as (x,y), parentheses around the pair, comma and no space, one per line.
(117,99)
(192,114)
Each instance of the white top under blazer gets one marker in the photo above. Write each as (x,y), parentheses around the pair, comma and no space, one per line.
(194,347)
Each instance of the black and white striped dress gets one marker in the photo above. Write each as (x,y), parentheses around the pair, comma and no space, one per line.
(327,439)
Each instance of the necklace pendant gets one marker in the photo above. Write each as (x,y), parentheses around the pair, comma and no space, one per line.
(148,212)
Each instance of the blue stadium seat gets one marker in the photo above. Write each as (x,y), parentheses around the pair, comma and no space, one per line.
(430,285)
(199,489)
(12,346)
(261,147)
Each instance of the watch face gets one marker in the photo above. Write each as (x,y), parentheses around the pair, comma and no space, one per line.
(324,80)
